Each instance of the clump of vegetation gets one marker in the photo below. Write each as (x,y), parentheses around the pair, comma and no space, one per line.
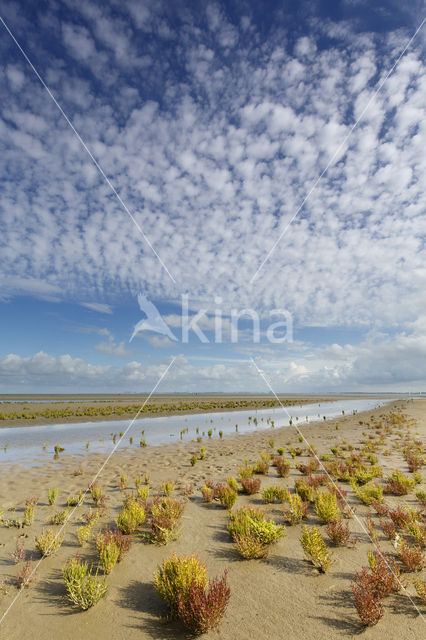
(111,547)
(177,575)
(262,465)
(26,575)
(96,493)
(283,466)
(52,494)
(165,518)
(340,534)
(225,495)
(389,529)
(83,533)
(296,510)
(232,482)
(48,542)
(272,494)
(29,514)
(143,493)
(167,488)
(131,517)
(60,516)
(203,608)
(250,485)
(246,471)
(326,507)
(202,453)
(420,587)
(417,532)
(19,553)
(315,549)
(310,467)
(208,493)
(83,588)
(122,483)
(304,490)
(399,517)
(367,603)
(74,501)
(252,533)
(411,556)
(193,460)
(398,484)
(369,493)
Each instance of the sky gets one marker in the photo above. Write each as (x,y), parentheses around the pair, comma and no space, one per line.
(237,164)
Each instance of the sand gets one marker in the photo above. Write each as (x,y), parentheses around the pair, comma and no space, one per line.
(281,596)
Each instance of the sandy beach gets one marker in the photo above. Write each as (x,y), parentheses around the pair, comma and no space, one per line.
(279,596)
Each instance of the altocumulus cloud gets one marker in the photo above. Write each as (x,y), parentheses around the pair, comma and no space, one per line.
(213,148)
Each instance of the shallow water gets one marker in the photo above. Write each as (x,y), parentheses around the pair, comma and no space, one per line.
(34,445)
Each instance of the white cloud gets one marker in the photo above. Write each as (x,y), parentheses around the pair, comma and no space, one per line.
(110,347)
(97,306)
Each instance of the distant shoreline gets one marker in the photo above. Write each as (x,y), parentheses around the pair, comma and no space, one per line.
(126,407)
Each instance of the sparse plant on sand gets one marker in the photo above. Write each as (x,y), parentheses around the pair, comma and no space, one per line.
(83,588)
(167,488)
(29,514)
(26,575)
(315,549)
(389,528)
(420,587)
(250,485)
(367,603)
(177,575)
(143,492)
(339,533)
(96,493)
(252,533)
(369,493)
(207,493)
(202,453)
(193,460)
(48,542)
(398,484)
(296,510)
(225,495)
(52,494)
(411,556)
(165,518)
(122,483)
(272,494)
(60,516)
(326,507)
(19,553)
(421,497)
(203,607)
(231,481)
(83,533)
(283,466)
(131,517)
(74,501)
(305,491)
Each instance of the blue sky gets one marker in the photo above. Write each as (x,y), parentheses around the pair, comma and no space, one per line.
(211,123)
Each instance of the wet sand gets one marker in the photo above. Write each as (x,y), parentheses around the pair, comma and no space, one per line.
(277,597)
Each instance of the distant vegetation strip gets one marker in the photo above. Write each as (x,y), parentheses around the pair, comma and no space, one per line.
(150,408)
